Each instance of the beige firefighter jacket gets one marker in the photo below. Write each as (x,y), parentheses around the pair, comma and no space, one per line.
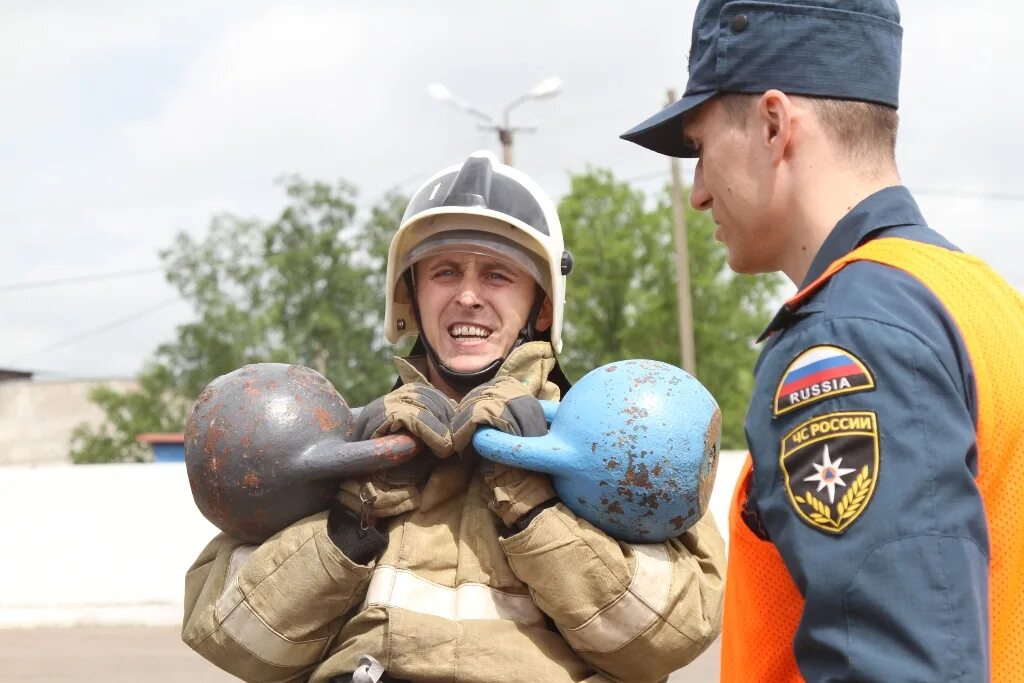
(451,600)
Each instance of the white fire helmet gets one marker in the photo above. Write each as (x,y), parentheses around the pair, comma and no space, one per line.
(484,207)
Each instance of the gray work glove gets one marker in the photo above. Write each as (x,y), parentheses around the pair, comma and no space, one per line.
(420,410)
(506,404)
(416,408)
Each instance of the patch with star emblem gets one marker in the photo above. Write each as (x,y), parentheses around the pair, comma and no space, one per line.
(818,373)
(830,468)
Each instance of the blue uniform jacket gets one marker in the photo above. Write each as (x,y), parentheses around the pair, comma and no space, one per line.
(862,433)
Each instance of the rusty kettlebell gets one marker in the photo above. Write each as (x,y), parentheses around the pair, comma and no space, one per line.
(633,449)
(269,443)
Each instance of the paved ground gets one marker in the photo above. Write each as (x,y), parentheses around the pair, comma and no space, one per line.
(128,654)
(102,654)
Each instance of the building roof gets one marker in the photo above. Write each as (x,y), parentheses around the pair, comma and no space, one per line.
(6,374)
(160,437)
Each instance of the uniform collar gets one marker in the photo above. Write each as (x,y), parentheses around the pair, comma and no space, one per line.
(888,208)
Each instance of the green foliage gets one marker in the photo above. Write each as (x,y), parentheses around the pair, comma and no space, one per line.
(621,300)
(128,414)
(305,288)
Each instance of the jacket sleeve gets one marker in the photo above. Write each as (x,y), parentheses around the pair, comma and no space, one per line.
(634,612)
(892,563)
(269,612)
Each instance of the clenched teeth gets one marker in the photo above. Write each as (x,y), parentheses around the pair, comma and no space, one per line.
(468,331)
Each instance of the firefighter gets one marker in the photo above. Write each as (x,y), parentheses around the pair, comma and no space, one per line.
(449,567)
(875,532)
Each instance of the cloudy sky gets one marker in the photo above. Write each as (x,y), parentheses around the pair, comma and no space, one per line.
(124,123)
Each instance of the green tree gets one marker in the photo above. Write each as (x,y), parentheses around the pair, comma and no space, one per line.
(305,288)
(621,300)
(153,407)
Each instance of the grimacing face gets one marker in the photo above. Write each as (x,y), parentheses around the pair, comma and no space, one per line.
(473,306)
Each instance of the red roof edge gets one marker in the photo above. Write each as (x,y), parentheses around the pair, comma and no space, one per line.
(160,437)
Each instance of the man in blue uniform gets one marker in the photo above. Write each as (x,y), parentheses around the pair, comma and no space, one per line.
(880,508)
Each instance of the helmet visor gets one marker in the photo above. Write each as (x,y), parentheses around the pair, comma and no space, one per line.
(483,244)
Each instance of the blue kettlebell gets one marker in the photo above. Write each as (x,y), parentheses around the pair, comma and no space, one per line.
(632,448)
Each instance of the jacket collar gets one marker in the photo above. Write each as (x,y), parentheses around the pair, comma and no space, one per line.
(530,363)
(884,210)
(888,208)
(412,369)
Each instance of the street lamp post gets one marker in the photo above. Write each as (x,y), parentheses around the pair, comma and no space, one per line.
(547,88)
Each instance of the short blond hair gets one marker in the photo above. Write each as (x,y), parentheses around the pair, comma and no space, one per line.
(862,130)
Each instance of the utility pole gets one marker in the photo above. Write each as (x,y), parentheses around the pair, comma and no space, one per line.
(687,352)
(505,136)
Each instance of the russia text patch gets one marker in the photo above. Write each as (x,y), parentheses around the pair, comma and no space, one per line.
(818,373)
(830,467)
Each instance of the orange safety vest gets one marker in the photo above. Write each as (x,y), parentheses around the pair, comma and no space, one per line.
(763,606)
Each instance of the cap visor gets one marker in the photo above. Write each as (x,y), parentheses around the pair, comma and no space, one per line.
(663,132)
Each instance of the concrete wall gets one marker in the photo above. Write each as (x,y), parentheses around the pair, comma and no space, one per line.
(96,544)
(110,544)
(36,417)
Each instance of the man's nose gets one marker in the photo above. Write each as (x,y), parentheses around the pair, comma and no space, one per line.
(469,296)
(700,198)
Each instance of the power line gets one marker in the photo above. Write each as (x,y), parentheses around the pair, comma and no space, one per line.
(972,194)
(38,284)
(647,176)
(98,330)
(955,194)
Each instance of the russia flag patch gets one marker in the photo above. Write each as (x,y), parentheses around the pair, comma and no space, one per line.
(818,373)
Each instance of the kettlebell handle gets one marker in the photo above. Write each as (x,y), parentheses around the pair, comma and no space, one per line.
(546,453)
(549,408)
(340,460)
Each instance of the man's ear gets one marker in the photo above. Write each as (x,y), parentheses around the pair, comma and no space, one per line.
(546,315)
(775,111)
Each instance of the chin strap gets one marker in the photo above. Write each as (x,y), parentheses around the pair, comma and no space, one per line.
(464,381)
